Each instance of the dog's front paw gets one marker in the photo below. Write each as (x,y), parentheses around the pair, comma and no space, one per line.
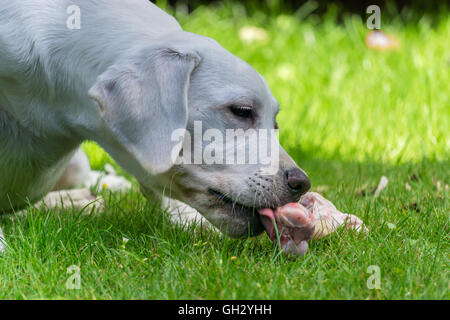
(79,199)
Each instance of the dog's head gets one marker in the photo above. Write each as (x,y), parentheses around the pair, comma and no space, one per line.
(194,122)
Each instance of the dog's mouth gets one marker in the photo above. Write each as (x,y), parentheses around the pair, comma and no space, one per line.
(241,212)
(235,206)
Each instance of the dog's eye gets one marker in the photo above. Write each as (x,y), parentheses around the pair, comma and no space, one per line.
(241,111)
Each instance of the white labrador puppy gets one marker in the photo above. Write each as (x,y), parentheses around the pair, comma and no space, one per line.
(124,74)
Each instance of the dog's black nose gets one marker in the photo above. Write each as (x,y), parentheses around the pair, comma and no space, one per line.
(297,181)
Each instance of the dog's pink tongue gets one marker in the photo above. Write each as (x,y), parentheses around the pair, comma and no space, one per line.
(294,225)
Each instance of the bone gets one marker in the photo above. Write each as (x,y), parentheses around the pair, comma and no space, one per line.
(381,186)
(327,219)
(314,217)
(291,224)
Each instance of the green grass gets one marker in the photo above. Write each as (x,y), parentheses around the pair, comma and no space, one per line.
(349,115)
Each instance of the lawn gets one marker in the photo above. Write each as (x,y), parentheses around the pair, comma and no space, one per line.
(349,115)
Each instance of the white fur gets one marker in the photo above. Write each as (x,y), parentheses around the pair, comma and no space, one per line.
(78,171)
(125,79)
(46,70)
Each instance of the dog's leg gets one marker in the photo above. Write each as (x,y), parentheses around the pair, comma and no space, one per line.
(180,212)
(77,199)
(184,215)
(76,173)
(69,192)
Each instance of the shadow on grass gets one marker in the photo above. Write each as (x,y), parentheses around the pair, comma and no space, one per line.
(349,185)
(133,237)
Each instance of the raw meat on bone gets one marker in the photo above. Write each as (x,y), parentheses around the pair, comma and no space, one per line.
(314,217)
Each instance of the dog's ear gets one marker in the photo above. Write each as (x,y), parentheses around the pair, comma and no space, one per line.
(144,100)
